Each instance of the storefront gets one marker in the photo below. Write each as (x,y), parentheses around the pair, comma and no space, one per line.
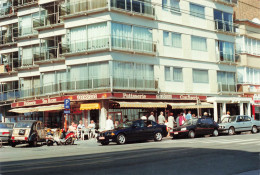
(97,106)
(256,107)
(235,105)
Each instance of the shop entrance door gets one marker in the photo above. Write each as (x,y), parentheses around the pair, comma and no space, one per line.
(94,115)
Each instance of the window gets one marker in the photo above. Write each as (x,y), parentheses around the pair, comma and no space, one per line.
(248,45)
(172,39)
(223,20)
(173,74)
(226,77)
(246,118)
(78,39)
(226,51)
(200,76)
(198,43)
(197,10)
(171,5)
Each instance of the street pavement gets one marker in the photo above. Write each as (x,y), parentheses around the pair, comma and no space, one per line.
(223,155)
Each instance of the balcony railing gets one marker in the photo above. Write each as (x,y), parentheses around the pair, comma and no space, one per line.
(6,10)
(24,31)
(227,57)
(24,2)
(46,20)
(227,87)
(118,43)
(231,2)
(134,6)
(8,38)
(77,7)
(225,26)
(9,67)
(82,85)
(49,53)
(129,6)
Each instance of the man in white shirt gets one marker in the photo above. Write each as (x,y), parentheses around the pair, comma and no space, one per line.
(80,128)
(161,119)
(109,123)
(144,117)
(92,127)
(151,117)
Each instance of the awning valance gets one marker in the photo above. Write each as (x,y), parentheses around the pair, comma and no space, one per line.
(38,109)
(142,105)
(89,106)
(190,105)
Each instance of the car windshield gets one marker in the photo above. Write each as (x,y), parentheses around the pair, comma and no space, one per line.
(23,125)
(229,119)
(6,125)
(125,124)
(193,121)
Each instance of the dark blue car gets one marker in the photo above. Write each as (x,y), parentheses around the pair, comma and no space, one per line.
(133,131)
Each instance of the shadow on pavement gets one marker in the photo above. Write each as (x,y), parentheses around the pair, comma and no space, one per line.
(152,161)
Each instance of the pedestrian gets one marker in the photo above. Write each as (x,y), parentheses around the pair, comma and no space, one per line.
(91,128)
(170,123)
(72,127)
(177,120)
(80,128)
(109,123)
(184,113)
(151,117)
(188,116)
(125,119)
(161,118)
(205,115)
(144,117)
(181,119)
(194,116)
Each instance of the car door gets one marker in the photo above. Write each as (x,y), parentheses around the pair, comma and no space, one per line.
(150,128)
(135,132)
(201,127)
(247,123)
(239,123)
(210,126)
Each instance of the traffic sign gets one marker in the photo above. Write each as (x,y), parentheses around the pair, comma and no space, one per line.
(67,103)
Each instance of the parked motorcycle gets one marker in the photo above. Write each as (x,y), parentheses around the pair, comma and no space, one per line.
(59,138)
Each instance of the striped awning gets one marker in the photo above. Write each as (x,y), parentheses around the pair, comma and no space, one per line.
(142,105)
(38,109)
(190,105)
(89,106)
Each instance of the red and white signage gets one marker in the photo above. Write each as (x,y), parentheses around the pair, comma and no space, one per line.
(95,96)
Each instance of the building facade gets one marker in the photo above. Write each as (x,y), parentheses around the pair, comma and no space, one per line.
(118,57)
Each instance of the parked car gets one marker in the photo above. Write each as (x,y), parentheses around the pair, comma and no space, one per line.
(195,127)
(6,130)
(133,131)
(238,124)
(28,131)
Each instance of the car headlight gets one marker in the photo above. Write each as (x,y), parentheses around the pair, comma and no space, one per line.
(183,129)
(112,134)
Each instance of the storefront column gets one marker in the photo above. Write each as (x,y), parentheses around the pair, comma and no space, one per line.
(249,109)
(215,111)
(224,108)
(241,108)
(103,114)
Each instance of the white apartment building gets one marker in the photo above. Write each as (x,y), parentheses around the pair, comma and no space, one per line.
(118,57)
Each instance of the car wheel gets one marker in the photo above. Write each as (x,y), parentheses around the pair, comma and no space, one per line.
(120,139)
(33,143)
(157,136)
(49,143)
(68,141)
(231,131)
(191,134)
(104,143)
(254,129)
(215,132)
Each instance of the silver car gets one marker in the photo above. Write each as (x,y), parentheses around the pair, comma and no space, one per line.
(6,130)
(237,124)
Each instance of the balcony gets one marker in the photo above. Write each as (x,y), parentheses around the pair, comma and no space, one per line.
(26,31)
(92,84)
(102,44)
(7,10)
(225,27)
(24,3)
(231,3)
(8,39)
(227,88)
(227,58)
(70,9)
(46,21)
(49,54)
(133,7)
